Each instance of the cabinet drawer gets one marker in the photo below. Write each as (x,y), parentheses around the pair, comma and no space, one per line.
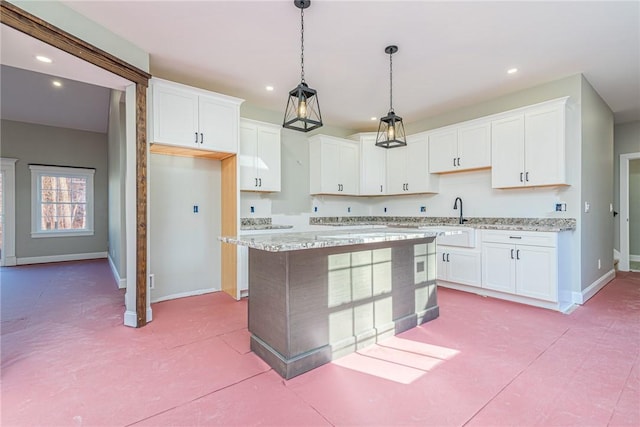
(532,238)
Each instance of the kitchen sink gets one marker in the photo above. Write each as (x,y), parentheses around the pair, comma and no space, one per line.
(454,236)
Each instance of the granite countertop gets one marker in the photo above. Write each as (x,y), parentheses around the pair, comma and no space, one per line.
(261,224)
(517,224)
(324,239)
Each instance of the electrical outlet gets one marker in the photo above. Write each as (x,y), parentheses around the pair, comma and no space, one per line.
(152,284)
(315,209)
(587,207)
(561,207)
(195,208)
(348,209)
(385,210)
(253,209)
(423,208)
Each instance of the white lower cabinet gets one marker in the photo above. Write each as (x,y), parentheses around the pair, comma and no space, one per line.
(459,265)
(521,263)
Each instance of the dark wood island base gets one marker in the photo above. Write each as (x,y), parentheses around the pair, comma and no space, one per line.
(307,307)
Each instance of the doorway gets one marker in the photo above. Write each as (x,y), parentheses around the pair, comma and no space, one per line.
(630,212)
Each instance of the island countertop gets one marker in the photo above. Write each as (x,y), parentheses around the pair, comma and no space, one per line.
(325,239)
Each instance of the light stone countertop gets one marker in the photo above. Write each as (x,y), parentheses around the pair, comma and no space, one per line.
(515,224)
(325,239)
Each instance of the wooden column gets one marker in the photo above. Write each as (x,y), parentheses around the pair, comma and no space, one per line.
(229,227)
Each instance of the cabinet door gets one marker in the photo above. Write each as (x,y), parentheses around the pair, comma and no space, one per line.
(536,272)
(329,167)
(498,267)
(218,123)
(349,168)
(443,151)
(545,147)
(464,267)
(248,157)
(507,152)
(268,163)
(442,267)
(175,117)
(474,147)
(373,168)
(419,180)
(397,170)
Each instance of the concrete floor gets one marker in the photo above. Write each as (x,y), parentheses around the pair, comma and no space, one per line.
(67,360)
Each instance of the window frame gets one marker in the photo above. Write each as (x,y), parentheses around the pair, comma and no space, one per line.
(37,171)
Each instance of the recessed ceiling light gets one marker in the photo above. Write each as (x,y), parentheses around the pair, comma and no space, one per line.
(512,70)
(44,59)
(374,118)
(269,88)
(56,83)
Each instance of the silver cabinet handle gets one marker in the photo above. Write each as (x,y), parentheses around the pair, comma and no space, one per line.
(201,138)
(521,180)
(260,180)
(443,260)
(458,161)
(526,176)
(517,253)
(454,162)
(196,137)
(381,188)
(447,257)
(511,253)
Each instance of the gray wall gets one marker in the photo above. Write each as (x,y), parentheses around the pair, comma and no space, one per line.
(634,207)
(116,169)
(626,140)
(30,143)
(597,186)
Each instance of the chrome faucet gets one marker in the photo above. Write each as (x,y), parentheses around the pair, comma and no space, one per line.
(455,206)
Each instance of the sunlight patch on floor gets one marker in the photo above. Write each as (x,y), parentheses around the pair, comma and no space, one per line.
(397,359)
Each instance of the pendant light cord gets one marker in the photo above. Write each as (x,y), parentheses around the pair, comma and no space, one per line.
(302,44)
(391,82)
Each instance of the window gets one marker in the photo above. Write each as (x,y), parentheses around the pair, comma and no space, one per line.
(61,201)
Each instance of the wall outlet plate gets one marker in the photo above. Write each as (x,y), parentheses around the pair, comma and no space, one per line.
(423,208)
(561,207)
(253,209)
(195,208)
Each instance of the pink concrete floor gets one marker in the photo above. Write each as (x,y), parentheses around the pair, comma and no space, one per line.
(67,360)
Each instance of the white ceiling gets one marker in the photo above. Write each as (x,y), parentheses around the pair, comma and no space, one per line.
(452,54)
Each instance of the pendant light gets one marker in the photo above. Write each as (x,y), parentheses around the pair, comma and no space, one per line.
(391,129)
(303,110)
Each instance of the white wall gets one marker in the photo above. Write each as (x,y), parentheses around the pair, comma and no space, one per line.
(184,249)
(116,170)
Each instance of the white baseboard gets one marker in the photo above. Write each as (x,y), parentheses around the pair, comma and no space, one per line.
(634,258)
(122,283)
(10,261)
(184,294)
(149,314)
(60,258)
(586,294)
(130,319)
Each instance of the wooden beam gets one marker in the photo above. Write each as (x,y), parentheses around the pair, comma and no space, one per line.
(141,205)
(229,225)
(37,28)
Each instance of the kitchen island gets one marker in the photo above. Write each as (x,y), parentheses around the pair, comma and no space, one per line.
(315,296)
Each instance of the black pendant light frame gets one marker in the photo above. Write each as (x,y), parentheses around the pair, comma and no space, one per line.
(391,128)
(303,110)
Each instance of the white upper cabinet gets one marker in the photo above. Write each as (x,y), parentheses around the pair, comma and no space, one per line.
(460,148)
(528,147)
(260,163)
(183,116)
(408,168)
(373,166)
(334,166)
